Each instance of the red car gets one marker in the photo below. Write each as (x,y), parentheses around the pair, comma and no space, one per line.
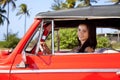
(28,61)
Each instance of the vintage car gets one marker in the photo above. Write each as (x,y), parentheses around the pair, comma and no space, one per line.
(28,60)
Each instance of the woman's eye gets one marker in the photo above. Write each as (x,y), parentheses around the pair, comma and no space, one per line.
(84,31)
(79,30)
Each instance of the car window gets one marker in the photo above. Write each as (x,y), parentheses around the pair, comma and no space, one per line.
(33,42)
(66,39)
(109,38)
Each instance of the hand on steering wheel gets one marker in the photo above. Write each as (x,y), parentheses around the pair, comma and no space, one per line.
(44,48)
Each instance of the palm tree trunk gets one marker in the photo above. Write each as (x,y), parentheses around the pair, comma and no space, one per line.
(7,23)
(25,24)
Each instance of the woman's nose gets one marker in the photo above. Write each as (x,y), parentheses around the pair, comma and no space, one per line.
(80,32)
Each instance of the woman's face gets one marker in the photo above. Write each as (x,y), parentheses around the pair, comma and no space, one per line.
(82,32)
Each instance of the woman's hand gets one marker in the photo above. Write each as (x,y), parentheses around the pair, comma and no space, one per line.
(46,50)
(89,49)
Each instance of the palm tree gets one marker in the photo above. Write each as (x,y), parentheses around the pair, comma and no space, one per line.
(23,11)
(69,4)
(2,17)
(7,3)
(57,5)
(85,3)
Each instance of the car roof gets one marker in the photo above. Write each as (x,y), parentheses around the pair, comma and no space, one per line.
(107,16)
(109,11)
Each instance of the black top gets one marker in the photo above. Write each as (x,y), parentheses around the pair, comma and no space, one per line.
(109,11)
(100,16)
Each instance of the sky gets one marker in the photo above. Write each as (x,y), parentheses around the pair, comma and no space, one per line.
(34,6)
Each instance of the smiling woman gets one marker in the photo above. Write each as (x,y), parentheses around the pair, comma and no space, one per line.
(86,38)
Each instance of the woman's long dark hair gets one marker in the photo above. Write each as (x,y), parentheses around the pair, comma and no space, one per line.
(91,41)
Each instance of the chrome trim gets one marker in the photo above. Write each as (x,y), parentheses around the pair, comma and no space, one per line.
(53,37)
(77,17)
(117,71)
(23,56)
(39,38)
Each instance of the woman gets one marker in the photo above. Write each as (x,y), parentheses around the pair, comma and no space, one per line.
(86,37)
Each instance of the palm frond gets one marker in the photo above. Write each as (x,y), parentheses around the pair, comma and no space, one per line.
(13,4)
(3,18)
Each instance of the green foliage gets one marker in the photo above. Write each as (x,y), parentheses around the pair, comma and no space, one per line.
(23,10)
(68,38)
(2,43)
(103,42)
(66,4)
(69,4)
(10,42)
(60,4)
